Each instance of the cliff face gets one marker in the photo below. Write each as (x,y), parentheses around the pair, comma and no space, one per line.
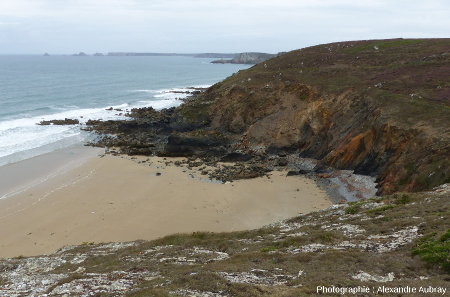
(379,107)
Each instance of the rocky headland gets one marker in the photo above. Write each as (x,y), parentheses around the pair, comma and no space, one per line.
(378,108)
(245,58)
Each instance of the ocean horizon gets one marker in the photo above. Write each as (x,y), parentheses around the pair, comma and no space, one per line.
(36,88)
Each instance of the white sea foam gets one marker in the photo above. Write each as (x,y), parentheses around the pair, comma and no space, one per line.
(23,138)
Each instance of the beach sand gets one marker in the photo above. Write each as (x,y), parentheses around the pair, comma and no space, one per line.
(116,198)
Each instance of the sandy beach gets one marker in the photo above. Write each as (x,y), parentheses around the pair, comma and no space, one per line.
(117,198)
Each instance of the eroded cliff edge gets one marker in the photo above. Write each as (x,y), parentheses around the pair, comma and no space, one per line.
(379,107)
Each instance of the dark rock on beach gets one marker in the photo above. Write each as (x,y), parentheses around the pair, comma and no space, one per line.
(239,171)
(236,157)
(295,172)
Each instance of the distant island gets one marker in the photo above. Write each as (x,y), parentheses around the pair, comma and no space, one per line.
(198,55)
(215,55)
(80,54)
(223,58)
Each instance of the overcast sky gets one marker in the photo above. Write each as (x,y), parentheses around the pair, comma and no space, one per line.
(68,26)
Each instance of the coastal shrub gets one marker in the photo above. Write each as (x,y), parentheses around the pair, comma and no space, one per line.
(376,199)
(402,199)
(353,209)
(327,237)
(200,235)
(269,249)
(435,250)
(174,239)
(88,243)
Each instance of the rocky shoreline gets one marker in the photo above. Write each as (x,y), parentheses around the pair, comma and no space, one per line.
(345,119)
(149,132)
(66,121)
(325,103)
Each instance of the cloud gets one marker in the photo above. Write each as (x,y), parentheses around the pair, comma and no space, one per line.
(213,25)
(9,23)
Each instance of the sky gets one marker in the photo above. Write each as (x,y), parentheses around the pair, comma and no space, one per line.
(193,26)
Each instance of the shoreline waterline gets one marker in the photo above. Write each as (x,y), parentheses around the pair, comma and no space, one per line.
(24,138)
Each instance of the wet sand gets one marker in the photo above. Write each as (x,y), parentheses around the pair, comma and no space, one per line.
(109,198)
(19,176)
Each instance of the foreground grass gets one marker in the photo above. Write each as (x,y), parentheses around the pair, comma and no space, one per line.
(435,250)
(402,239)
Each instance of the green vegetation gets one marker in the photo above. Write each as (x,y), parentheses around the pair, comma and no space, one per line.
(149,293)
(354,207)
(88,243)
(380,210)
(269,249)
(328,237)
(195,112)
(435,250)
(402,198)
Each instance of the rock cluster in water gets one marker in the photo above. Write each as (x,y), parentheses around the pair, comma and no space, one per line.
(66,121)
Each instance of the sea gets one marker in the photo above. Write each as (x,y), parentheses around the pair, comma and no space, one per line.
(37,88)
